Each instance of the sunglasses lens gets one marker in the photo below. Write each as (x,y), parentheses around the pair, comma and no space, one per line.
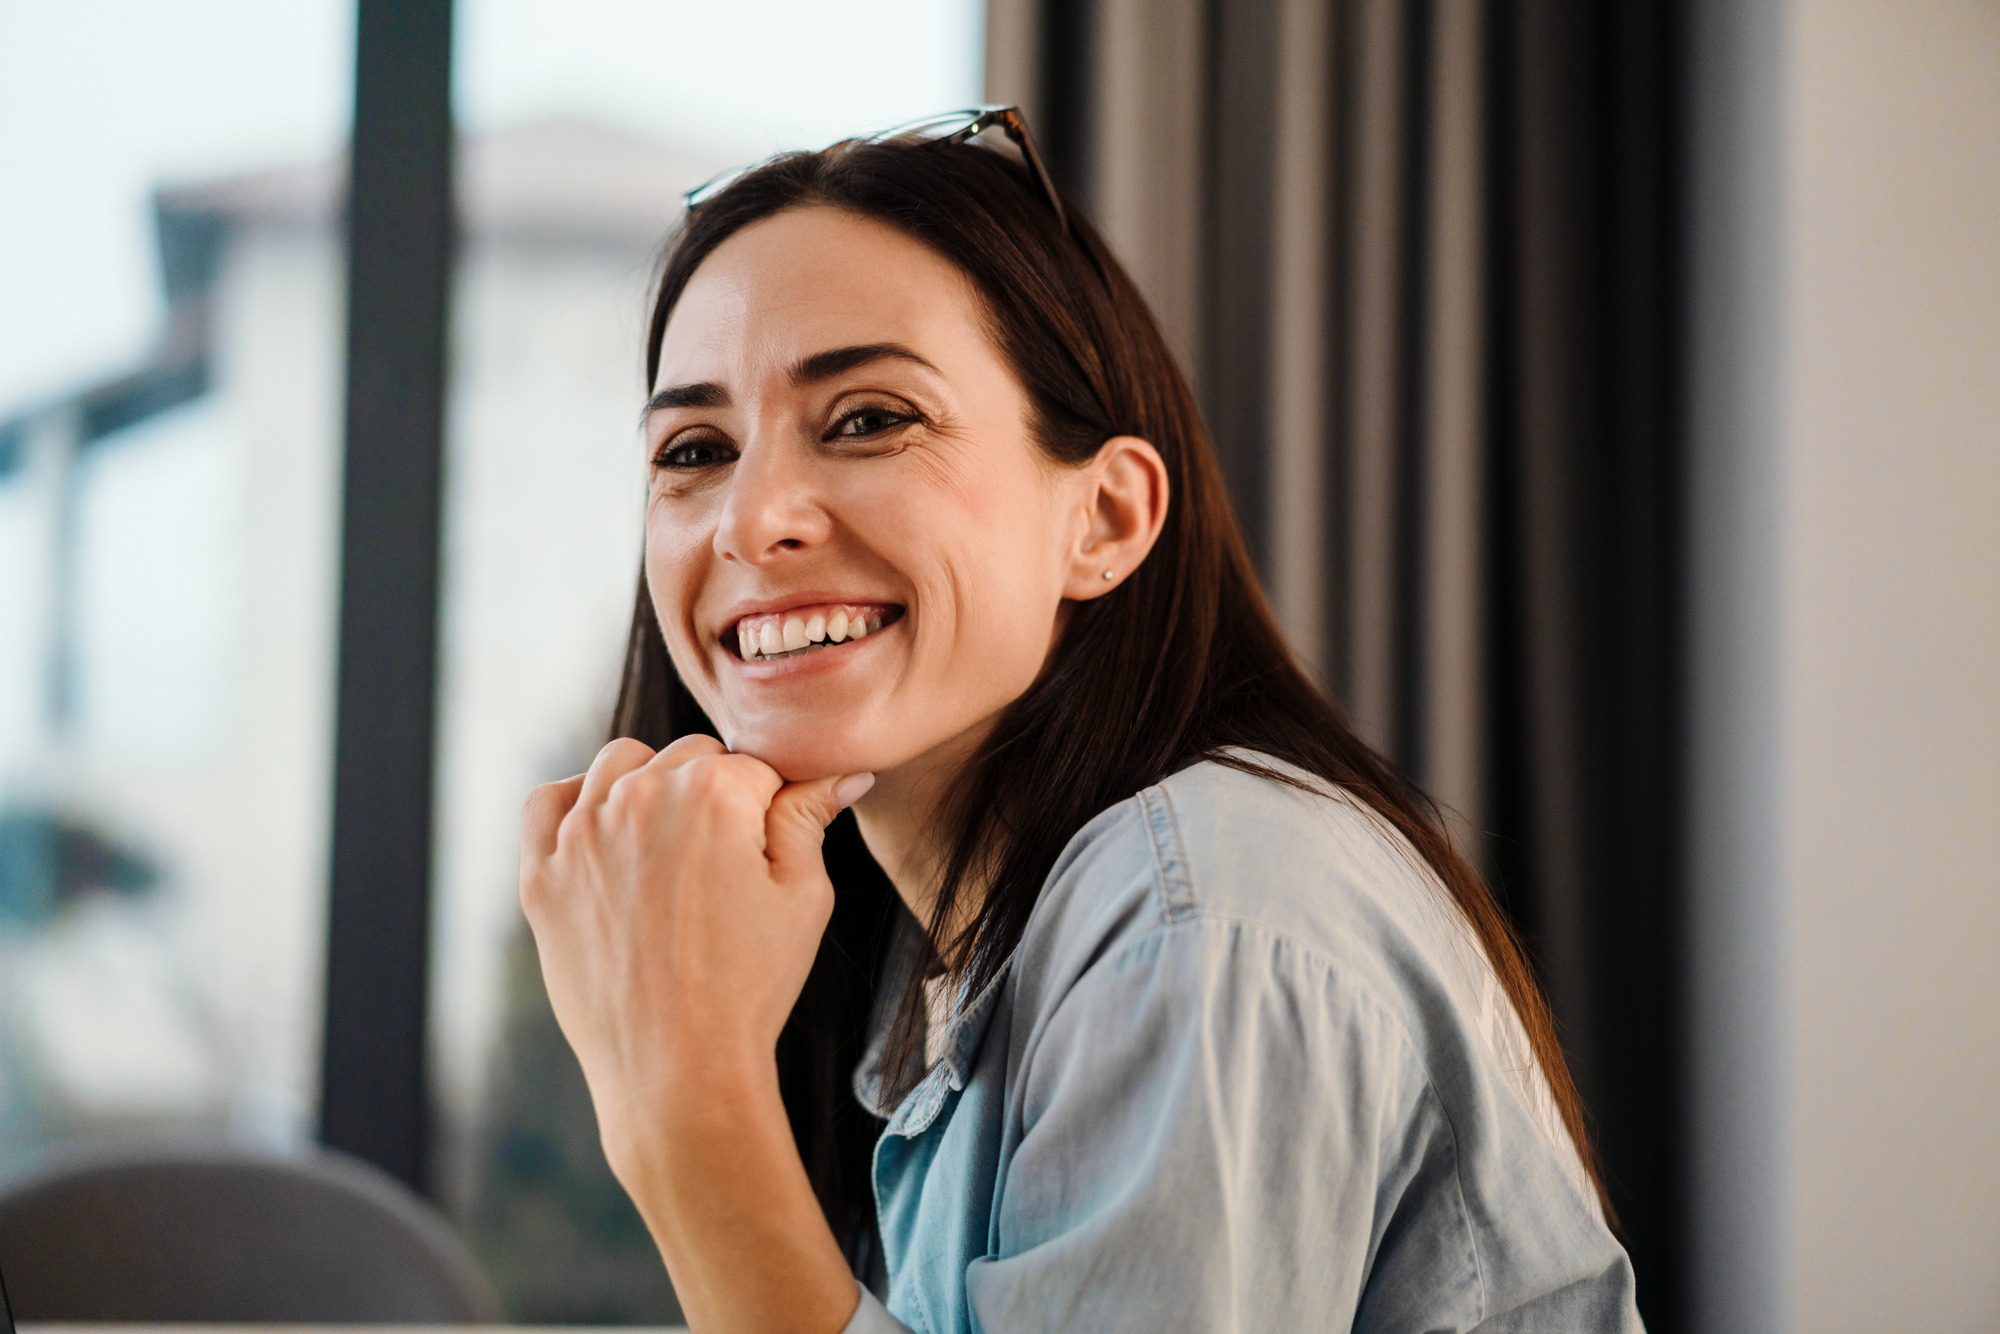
(942,126)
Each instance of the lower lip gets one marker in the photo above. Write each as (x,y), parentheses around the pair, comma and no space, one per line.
(810,664)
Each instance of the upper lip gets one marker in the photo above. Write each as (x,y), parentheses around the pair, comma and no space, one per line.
(787,601)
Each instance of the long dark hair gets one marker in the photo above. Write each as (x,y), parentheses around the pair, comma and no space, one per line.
(1182,662)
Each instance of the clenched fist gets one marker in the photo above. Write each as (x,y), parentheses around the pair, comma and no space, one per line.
(677,901)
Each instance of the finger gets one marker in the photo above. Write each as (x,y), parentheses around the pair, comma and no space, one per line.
(542,815)
(795,828)
(745,783)
(618,758)
(680,751)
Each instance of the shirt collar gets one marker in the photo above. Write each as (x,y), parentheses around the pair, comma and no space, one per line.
(966,1027)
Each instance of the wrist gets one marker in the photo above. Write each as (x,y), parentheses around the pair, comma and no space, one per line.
(709,1160)
(696,1110)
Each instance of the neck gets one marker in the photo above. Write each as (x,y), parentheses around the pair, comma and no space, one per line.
(899,821)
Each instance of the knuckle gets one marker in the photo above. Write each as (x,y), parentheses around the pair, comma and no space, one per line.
(704,777)
(712,787)
(533,892)
(623,747)
(635,780)
(548,805)
(697,744)
(639,786)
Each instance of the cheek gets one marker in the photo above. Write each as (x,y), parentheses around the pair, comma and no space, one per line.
(986,559)
(675,559)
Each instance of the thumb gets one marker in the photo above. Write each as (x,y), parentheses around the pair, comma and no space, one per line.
(796,824)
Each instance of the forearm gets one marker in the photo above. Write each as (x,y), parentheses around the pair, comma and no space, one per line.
(717,1177)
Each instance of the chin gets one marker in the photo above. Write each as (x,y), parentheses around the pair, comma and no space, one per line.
(800,759)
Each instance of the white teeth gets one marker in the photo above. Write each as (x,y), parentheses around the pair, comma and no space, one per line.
(783,636)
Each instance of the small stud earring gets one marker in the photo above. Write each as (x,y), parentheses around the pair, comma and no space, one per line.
(1108,574)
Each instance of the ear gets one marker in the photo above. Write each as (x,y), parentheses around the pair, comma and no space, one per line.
(1125,506)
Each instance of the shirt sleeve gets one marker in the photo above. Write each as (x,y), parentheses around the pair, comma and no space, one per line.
(1209,1123)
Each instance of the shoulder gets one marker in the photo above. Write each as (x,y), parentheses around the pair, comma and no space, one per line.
(1270,963)
(1214,848)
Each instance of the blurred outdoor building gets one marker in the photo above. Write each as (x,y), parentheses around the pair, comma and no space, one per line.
(171,381)
(1611,395)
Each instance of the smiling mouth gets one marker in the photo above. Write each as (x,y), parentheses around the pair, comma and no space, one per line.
(803,630)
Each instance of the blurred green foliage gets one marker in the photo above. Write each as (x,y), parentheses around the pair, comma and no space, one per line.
(557,1234)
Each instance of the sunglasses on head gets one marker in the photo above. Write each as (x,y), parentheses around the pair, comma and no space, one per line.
(943,130)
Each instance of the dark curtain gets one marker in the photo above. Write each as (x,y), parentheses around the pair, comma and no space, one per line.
(1422,259)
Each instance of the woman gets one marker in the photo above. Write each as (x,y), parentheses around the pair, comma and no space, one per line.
(1183,1012)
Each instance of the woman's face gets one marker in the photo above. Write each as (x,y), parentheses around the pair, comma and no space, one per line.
(857,554)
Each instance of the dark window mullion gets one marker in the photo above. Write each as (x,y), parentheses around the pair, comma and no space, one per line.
(373,1100)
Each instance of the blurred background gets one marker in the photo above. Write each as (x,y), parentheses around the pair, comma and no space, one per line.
(1611,395)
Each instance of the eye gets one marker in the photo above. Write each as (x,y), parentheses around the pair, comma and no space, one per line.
(691,454)
(869,421)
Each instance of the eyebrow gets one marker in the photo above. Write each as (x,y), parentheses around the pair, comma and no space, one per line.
(707,394)
(825,365)
(814,369)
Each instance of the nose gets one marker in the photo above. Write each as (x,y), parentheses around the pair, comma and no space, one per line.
(772,511)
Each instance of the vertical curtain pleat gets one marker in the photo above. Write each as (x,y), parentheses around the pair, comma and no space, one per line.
(1583,556)
(1452,514)
(1302,286)
(1372,329)
(1541,450)
(1146,192)
(1234,340)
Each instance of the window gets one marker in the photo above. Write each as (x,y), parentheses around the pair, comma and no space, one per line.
(170,368)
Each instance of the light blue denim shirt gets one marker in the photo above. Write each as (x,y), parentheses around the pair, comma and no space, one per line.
(1247,1070)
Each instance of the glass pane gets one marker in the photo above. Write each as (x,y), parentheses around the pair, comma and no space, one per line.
(582,124)
(170,376)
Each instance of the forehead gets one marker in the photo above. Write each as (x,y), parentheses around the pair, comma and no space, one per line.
(809,279)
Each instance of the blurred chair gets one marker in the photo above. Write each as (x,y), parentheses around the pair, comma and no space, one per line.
(218,1233)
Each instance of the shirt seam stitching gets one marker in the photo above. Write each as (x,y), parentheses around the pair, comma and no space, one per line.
(1164,835)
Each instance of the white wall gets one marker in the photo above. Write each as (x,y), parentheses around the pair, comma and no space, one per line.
(1847,679)
(1892,568)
